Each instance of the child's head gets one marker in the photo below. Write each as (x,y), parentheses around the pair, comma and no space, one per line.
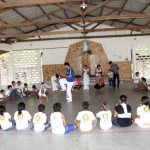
(145,100)
(57,107)
(123,98)
(144,80)
(2,91)
(9,87)
(85,105)
(104,107)
(109,70)
(25,85)
(57,76)
(13,83)
(98,66)
(85,66)
(41,108)
(21,107)
(19,83)
(137,74)
(34,86)
(2,110)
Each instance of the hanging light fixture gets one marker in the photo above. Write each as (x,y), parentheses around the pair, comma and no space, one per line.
(83,5)
(85,46)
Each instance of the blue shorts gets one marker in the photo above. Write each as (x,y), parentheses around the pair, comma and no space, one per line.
(69,128)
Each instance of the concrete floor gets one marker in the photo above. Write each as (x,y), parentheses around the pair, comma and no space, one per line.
(114,139)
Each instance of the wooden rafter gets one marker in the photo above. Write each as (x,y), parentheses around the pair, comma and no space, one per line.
(88,19)
(22,3)
(96,7)
(75,31)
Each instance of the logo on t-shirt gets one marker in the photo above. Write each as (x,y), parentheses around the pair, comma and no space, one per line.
(20,117)
(146,109)
(85,117)
(2,118)
(37,118)
(105,116)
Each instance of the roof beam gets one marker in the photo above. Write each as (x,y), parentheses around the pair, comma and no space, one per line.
(73,20)
(75,31)
(23,3)
(96,7)
(82,37)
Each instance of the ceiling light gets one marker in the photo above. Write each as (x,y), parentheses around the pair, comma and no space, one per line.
(83,5)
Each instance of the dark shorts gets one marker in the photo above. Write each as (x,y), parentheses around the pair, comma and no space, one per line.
(98,86)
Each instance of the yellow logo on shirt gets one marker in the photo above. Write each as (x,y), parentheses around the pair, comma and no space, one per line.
(105,116)
(38,117)
(20,117)
(85,117)
(146,109)
(2,118)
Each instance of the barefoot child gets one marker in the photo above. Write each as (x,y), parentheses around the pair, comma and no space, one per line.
(41,95)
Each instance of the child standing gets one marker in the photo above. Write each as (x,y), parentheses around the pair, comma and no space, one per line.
(143,113)
(6,122)
(40,119)
(110,77)
(58,121)
(86,80)
(23,118)
(85,120)
(105,117)
(136,80)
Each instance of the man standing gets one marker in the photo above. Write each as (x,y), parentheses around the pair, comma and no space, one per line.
(115,69)
(68,80)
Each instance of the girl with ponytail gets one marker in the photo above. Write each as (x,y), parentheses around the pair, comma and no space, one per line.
(6,122)
(23,118)
(143,113)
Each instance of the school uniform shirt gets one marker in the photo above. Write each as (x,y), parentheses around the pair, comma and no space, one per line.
(8,92)
(57,123)
(39,121)
(4,121)
(136,79)
(124,115)
(110,74)
(105,119)
(70,73)
(144,113)
(22,119)
(85,117)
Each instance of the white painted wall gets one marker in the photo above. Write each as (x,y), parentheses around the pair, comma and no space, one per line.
(54,52)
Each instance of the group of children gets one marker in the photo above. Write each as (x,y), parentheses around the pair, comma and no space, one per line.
(85,120)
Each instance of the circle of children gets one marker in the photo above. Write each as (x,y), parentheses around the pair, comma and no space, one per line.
(85,120)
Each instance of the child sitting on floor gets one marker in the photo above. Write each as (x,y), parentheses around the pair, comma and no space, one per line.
(35,90)
(77,85)
(26,91)
(9,92)
(58,121)
(101,84)
(85,119)
(105,116)
(143,113)
(40,119)
(3,98)
(142,85)
(6,122)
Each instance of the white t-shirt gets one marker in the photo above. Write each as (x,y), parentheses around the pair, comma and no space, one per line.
(53,78)
(105,119)
(85,72)
(4,121)
(42,94)
(39,121)
(85,117)
(144,113)
(110,74)
(1,95)
(97,71)
(19,88)
(22,119)
(8,92)
(136,79)
(57,123)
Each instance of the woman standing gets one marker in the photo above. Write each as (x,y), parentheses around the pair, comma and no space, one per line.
(86,80)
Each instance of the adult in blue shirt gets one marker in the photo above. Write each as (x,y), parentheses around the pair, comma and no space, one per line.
(67,80)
